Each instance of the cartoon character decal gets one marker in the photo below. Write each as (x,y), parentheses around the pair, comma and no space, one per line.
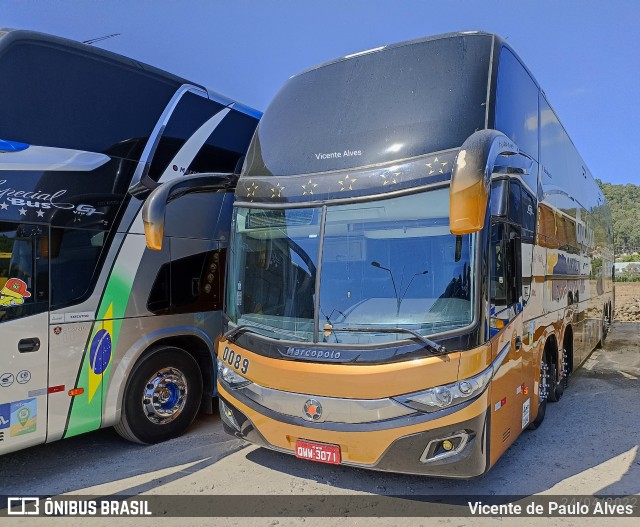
(13,293)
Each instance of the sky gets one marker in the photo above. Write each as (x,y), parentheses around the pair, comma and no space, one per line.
(583,53)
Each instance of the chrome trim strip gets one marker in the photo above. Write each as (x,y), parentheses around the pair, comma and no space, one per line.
(334,409)
(497,362)
(388,424)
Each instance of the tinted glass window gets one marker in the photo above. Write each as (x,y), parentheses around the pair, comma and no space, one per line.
(499,193)
(74,255)
(189,285)
(24,276)
(391,104)
(498,291)
(515,207)
(219,152)
(51,96)
(517,104)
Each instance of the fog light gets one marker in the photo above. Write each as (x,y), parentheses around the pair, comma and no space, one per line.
(227,415)
(447,445)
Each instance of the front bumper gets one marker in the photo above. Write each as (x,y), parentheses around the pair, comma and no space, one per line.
(397,445)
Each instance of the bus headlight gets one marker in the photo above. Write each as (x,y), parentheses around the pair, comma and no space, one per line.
(441,397)
(230,377)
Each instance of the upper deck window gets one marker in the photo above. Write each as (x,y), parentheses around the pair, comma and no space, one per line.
(517,104)
(60,97)
(396,103)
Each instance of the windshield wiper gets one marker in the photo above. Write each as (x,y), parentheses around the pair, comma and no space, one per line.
(433,346)
(251,328)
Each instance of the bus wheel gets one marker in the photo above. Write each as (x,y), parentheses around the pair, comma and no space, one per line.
(605,326)
(543,391)
(556,389)
(565,369)
(162,396)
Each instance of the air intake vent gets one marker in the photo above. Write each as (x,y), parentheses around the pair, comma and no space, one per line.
(506,434)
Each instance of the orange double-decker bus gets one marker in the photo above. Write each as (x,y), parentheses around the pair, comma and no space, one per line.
(419,260)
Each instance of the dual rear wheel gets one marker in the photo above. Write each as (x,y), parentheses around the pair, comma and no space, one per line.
(549,388)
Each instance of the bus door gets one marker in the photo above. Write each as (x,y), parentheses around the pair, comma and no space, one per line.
(510,397)
(24,324)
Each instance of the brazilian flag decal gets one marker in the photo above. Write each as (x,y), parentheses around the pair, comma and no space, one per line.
(86,409)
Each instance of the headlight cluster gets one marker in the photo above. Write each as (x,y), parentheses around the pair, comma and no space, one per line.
(229,376)
(441,397)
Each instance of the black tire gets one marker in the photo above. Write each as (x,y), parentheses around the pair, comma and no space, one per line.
(164,372)
(542,402)
(603,334)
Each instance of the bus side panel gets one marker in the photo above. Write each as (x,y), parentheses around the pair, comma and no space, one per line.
(86,410)
(23,385)
(506,393)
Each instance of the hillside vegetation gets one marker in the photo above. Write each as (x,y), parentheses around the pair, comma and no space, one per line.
(625,211)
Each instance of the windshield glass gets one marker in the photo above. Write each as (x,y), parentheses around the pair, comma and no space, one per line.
(386,263)
(393,263)
(273,270)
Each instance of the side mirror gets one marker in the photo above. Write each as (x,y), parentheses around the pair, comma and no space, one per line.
(471,179)
(155,206)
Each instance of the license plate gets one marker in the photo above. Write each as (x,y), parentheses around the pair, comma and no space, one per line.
(320,452)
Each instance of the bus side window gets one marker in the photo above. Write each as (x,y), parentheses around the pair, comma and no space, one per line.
(498,285)
(517,104)
(24,281)
(514,268)
(506,273)
(74,255)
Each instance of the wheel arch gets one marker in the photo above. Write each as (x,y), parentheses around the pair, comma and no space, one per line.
(551,347)
(193,340)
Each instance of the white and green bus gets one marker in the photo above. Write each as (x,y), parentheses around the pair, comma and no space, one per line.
(96,330)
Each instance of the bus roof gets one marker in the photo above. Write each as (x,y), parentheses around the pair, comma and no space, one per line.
(9,36)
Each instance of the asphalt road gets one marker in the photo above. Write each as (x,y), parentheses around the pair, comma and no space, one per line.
(588,444)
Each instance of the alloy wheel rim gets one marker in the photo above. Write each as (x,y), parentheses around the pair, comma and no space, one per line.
(164,396)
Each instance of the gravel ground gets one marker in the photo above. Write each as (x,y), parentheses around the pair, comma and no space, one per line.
(627,302)
(588,444)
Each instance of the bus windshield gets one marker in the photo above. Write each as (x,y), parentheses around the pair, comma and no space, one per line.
(384,264)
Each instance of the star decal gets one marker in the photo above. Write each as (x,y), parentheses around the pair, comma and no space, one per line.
(40,213)
(436,166)
(307,188)
(4,206)
(251,189)
(389,179)
(276,192)
(346,183)
(22,211)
